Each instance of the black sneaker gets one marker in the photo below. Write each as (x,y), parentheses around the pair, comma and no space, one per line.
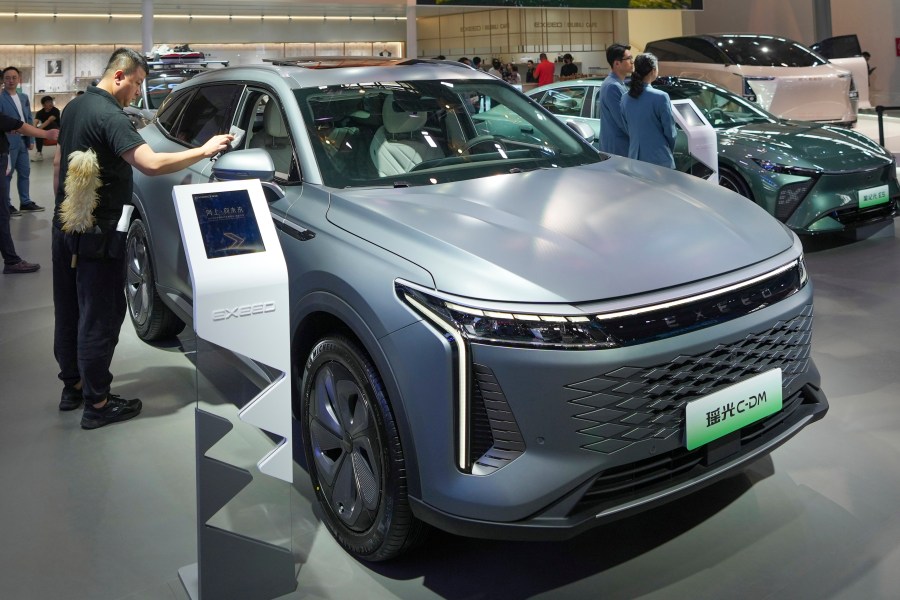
(116,409)
(14,212)
(71,398)
(31,207)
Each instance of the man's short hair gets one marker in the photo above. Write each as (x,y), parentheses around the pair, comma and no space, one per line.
(542,56)
(46,99)
(12,68)
(127,61)
(615,52)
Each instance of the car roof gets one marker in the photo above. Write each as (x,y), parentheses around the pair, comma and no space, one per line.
(714,37)
(335,70)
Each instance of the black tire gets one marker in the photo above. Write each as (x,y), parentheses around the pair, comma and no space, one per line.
(354,453)
(152,320)
(730,180)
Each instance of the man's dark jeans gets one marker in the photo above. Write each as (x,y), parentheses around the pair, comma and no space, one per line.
(7,248)
(89,306)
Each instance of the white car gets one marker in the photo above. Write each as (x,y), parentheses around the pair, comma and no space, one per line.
(782,76)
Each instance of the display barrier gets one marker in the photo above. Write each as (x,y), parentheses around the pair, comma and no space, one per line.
(701,136)
(241,318)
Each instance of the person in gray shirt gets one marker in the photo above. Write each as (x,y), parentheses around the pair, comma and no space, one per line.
(613,133)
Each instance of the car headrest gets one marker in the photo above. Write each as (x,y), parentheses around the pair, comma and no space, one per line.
(272,121)
(397,120)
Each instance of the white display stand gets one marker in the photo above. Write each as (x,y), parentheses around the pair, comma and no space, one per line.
(701,136)
(240,304)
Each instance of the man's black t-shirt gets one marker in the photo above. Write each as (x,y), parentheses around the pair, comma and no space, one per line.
(42,115)
(568,70)
(96,120)
(7,124)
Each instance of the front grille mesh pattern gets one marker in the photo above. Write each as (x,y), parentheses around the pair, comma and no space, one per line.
(495,438)
(858,216)
(630,405)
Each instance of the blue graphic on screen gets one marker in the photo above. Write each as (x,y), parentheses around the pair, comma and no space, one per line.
(228,224)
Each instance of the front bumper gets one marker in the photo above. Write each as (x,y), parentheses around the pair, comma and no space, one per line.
(618,493)
(562,440)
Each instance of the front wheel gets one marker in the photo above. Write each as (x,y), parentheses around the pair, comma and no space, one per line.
(152,319)
(730,180)
(354,454)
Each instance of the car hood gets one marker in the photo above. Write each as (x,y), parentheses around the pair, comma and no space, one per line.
(602,231)
(802,144)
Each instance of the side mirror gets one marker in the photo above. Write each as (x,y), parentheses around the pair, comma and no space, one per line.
(254,163)
(582,129)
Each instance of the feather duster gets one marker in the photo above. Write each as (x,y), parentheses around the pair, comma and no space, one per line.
(76,213)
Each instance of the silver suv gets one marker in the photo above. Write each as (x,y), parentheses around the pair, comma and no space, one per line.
(497,330)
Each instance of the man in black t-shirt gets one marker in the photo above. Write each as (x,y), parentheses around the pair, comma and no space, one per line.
(101,145)
(12,262)
(46,118)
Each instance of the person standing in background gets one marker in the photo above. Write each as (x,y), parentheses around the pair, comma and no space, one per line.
(569,68)
(47,118)
(529,74)
(648,116)
(12,262)
(16,105)
(613,133)
(543,72)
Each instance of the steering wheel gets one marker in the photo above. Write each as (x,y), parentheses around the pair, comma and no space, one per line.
(480,139)
(717,115)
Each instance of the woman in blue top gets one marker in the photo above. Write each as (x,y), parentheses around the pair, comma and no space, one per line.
(648,116)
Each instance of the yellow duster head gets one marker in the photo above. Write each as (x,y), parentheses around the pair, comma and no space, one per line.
(76,213)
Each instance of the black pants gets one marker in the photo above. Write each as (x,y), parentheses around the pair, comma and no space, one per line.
(7,248)
(89,306)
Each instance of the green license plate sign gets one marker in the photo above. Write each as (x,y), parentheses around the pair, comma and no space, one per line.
(710,417)
(872,196)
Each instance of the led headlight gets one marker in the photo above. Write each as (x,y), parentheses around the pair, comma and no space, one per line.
(773,167)
(512,329)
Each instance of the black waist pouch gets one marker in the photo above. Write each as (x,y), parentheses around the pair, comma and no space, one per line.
(100,243)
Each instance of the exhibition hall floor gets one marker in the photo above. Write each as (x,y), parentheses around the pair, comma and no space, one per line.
(110,514)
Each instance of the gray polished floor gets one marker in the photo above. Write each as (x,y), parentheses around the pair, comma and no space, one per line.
(109,514)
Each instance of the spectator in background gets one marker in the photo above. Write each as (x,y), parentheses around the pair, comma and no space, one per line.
(613,133)
(543,72)
(12,262)
(648,116)
(15,104)
(47,118)
(569,68)
(476,62)
(465,61)
(513,76)
(496,68)
(529,74)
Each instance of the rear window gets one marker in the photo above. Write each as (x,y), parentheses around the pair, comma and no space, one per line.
(763,51)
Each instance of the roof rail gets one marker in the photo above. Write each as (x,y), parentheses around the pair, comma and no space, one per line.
(333,62)
(185,64)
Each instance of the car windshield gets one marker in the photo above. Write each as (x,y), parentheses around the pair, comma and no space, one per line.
(410,133)
(720,107)
(765,51)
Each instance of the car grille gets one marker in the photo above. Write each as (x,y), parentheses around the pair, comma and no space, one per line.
(629,406)
(853,216)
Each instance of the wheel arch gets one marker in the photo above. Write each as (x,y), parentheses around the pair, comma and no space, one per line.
(320,314)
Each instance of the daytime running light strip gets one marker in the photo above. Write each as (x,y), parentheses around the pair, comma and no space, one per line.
(463,396)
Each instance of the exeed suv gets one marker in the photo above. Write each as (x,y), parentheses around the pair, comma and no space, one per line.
(496,329)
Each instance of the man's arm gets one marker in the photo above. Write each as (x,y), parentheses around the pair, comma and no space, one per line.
(148,162)
(31,130)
